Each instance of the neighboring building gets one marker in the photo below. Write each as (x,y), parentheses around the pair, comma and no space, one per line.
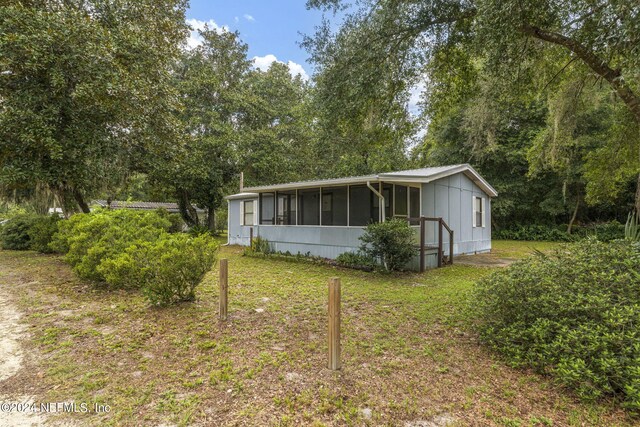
(326,217)
(142,206)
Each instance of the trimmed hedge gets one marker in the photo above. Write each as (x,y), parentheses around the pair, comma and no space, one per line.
(88,239)
(168,269)
(29,231)
(573,314)
(390,243)
(134,250)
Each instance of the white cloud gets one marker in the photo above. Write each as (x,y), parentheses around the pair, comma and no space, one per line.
(236,19)
(263,63)
(195,39)
(249,17)
(295,69)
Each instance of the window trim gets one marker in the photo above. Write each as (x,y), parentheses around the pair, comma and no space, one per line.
(481,211)
(243,212)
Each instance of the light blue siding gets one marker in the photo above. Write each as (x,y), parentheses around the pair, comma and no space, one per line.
(238,234)
(451,198)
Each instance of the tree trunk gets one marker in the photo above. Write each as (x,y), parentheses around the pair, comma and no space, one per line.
(573,217)
(211,219)
(77,195)
(187,211)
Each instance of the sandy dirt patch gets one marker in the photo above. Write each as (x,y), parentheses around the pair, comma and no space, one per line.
(11,362)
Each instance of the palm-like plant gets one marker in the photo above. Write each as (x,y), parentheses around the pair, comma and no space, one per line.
(632,227)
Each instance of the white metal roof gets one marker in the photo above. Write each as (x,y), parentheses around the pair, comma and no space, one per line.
(422,175)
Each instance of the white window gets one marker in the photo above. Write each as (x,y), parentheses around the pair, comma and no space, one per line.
(247,212)
(478,212)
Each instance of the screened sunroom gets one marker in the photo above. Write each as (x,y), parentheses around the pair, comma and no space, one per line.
(326,217)
(345,205)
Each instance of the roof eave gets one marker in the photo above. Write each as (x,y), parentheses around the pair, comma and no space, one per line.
(467,169)
(314,184)
(244,195)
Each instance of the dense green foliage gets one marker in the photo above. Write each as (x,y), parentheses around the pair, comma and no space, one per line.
(15,233)
(572,314)
(260,245)
(89,239)
(28,231)
(236,118)
(167,269)
(85,89)
(542,100)
(355,259)
(390,243)
(134,250)
(604,232)
(42,231)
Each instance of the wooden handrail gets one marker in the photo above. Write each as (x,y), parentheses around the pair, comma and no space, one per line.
(441,224)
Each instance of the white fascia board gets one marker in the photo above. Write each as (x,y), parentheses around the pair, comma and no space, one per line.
(242,196)
(315,184)
(469,171)
(390,177)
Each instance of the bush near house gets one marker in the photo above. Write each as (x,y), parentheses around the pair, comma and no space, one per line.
(134,250)
(355,260)
(573,314)
(28,231)
(390,243)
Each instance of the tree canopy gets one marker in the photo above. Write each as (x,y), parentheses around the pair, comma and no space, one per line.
(482,59)
(85,91)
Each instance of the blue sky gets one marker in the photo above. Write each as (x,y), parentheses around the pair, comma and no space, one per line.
(270,28)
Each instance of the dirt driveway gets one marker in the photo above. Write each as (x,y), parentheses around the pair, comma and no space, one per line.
(15,398)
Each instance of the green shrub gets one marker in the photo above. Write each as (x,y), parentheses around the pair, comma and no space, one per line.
(573,314)
(41,232)
(608,231)
(175,220)
(14,234)
(605,232)
(355,259)
(167,269)
(28,231)
(259,245)
(88,239)
(390,243)
(534,232)
(199,230)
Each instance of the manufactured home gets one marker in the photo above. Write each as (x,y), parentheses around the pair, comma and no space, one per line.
(449,207)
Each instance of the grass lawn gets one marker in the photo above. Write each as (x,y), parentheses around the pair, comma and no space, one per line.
(408,354)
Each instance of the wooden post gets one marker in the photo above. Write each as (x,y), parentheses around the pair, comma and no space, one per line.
(422,227)
(224,287)
(334,323)
(451,248)
(440,242)
(251,237)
